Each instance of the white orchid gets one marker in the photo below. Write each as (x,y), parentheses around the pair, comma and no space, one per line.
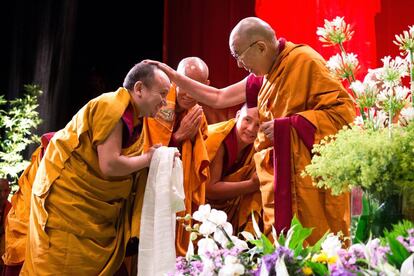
(206,245)
(407,267)
(232,267)
(203,213)
(331,245)
(222,237)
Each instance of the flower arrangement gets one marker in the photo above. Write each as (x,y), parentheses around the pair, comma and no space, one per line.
(376,153)
(221,253)
(17,119)
(381,96)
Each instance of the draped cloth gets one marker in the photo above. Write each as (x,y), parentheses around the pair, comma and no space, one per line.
(164,196)
(18,218)
(193,155)
(300,84)
(240,208)
(80,220)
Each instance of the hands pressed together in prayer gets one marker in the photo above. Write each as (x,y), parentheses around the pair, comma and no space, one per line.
(189,125)
(267,129)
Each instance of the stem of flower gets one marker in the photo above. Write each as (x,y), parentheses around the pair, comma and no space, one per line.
(341,47)
(412,76)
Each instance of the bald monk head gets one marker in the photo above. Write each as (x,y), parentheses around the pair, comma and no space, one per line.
(254,45)
(247,124)
(196,69)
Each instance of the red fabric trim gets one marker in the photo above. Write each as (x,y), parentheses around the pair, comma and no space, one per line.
(45,139)
(253,85)
(282,165)
(230,155)
(129,133)
(282,174)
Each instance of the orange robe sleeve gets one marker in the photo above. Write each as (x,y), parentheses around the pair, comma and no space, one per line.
(238,209)
(300,84)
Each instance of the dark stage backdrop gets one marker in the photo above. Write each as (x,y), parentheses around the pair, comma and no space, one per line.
(74,50)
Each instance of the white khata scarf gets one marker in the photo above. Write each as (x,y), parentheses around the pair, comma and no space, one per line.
(164,196)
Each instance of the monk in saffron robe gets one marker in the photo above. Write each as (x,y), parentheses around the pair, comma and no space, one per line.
(182,124)
(18,218)
(234,186)
(299,104)
(83,189)
(4,210)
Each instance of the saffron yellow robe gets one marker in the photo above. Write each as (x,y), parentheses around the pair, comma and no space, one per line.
(80,221)
(18,218)
(238,209)
(193,155)
(299,83)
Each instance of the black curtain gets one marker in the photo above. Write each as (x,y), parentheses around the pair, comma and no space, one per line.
(75,50)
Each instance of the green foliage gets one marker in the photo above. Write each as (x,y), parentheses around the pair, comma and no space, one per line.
(18,118)
(398,253)
(372,160)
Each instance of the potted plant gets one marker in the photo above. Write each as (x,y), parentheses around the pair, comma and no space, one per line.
(18,118)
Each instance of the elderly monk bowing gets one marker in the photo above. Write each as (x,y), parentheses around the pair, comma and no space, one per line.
(299,103)
(182,124)
(81,196)
(234,186)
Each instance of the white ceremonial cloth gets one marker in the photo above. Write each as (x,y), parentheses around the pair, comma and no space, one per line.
(164,196)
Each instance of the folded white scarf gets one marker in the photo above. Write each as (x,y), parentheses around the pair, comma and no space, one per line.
(164,196)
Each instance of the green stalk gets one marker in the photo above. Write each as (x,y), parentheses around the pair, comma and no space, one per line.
(412,76)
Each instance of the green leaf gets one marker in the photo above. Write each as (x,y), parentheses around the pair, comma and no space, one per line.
(268,247)
(398,253)
(318,268)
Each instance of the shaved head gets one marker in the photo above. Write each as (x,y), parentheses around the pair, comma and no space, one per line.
(194,68)
(251,29)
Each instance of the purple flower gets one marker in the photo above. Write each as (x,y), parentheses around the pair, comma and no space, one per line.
(337,270)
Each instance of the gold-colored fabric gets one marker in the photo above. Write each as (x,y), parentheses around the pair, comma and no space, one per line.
(238,209)
(18,218)
(6,208)
(79,223)
(300,83)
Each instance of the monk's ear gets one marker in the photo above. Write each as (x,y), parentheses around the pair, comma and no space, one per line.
(138,88)
(207,82)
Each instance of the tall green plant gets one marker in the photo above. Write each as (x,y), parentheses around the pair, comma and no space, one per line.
(18,118)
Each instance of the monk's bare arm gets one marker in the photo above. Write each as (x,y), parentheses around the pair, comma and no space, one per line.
(217,98)
(219,190)
(112,163)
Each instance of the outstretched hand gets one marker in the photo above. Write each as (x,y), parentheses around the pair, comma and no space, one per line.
(171,73)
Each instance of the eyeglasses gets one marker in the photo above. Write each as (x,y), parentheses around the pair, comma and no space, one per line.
(239,57)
